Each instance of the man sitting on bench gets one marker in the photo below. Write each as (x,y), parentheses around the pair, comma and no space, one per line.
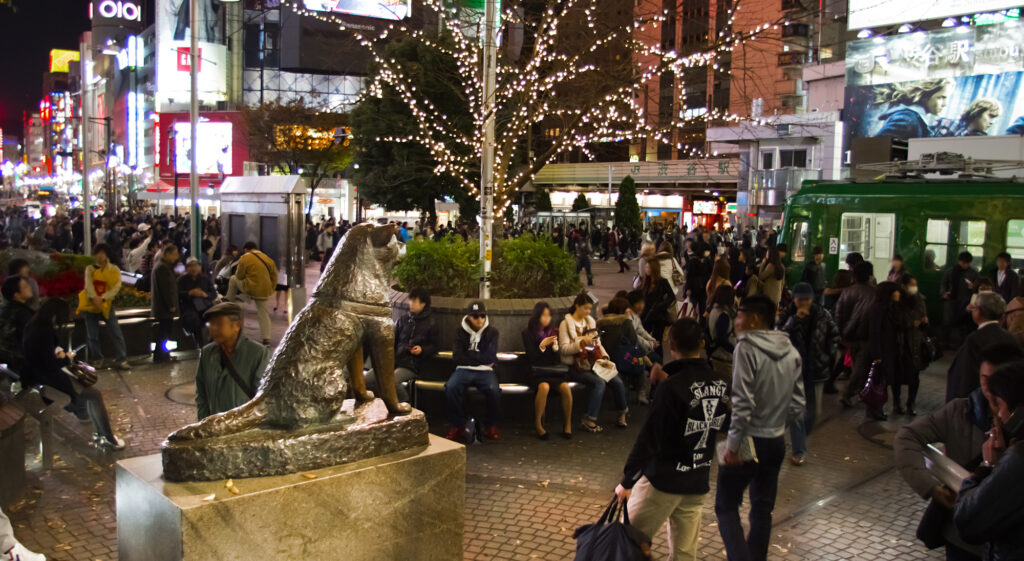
(475,352)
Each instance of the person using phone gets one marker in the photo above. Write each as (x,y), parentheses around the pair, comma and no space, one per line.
(990,505)
(540,339)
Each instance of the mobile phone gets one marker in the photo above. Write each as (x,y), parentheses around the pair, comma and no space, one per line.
(79,348)
(1014,423)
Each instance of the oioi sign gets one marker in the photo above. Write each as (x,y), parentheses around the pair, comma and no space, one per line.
(116,9)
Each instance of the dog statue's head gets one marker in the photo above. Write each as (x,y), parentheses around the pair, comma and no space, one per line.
(386,247)
(360,267)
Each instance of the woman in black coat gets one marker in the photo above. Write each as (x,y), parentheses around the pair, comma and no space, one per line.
(888,323)
(658,300)
(45,361)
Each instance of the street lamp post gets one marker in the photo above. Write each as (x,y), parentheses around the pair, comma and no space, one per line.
(193,179)
(86,58)
(490,56)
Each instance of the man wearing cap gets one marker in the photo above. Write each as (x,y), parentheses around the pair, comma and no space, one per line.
(195,295)
(231,367)
(164,300)
(815,336)
(986,312)
(475,353)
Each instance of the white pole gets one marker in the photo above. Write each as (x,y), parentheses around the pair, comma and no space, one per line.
(193,179)
(490,55)
(86,58)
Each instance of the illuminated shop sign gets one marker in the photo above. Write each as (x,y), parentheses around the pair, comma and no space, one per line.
(380,9)
(115,9)
(943,53)
(705,207)
(60,59)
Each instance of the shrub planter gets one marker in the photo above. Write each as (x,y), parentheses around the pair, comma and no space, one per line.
(508,316)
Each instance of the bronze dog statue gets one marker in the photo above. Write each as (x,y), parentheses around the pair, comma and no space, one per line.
(297,410)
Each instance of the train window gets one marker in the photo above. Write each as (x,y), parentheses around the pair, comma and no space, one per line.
(871,235)
(1015,242)
(936,247)
(799,249)
(972,239)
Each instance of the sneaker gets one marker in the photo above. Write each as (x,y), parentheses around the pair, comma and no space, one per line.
(123,365)
(492,433)
(797,460)
(116,445)
(456,434)
(20,553)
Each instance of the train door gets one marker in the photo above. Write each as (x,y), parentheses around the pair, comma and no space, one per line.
(870,234)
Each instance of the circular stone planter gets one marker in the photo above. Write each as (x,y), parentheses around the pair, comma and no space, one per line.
(508,316)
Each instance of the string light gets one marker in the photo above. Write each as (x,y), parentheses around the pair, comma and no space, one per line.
(529,93)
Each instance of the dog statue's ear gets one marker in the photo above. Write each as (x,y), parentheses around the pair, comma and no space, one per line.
(381,235)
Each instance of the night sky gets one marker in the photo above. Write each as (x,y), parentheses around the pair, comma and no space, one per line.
(26,37)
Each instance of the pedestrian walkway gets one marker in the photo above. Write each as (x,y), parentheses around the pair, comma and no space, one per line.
(524,497)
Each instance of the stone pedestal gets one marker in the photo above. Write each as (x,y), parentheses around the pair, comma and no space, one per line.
(407,505)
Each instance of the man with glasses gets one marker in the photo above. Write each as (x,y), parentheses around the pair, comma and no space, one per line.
(475,353)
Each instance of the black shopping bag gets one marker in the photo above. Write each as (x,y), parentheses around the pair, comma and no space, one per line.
(610,539)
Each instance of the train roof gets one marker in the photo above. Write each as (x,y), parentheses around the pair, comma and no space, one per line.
(914,187)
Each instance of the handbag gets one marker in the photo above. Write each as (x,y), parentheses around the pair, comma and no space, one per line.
(605,369)
(875,392)
(81,373)
(629,359)
(930,350)
(612,538)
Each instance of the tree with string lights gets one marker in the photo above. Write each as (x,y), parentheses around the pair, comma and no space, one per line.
(568,77)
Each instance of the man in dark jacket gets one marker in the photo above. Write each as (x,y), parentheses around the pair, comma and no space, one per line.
(416,337)
(475,353)
(956,289)
(961,427)
(1004,279)
(14,315)
(667,471)
(852,310)
(986,312)
(195,295)
(814,275)
(164,303)
(815,336)
(990,505)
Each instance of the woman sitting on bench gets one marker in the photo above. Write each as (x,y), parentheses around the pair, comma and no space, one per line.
(44,363)
(540,339)
(580,346)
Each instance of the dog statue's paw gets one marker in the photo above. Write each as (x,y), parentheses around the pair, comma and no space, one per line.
(366,397)
(400,409)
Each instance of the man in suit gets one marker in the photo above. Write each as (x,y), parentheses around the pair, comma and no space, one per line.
(1005,280)
(956,289)
(986,312)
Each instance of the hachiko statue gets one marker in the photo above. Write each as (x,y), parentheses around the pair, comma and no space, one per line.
(296,421)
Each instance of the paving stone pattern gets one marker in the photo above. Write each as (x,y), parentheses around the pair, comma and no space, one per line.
(524,497)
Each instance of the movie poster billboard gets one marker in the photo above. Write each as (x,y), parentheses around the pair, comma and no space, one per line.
(380,9)
(173,52)
(985,104)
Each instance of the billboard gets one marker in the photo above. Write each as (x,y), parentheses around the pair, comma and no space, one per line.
(984,104)
(223,145)
(173,52)
(61,59)
(214,147)
(943,53)
(878,13)
(380,9)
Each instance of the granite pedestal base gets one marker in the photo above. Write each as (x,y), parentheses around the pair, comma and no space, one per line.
(406,505)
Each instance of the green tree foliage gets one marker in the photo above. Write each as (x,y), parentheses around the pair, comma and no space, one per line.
(581,203)
(542,200)
(404,175)
(627,209)
(295,138)
(523,268)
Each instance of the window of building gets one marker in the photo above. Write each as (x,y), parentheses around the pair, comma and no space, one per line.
(936,249)
(768,160)
(793,158)
(972,239)
(1015,242)
(871,235)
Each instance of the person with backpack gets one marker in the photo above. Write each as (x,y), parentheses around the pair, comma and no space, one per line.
(667,472)
(255,278)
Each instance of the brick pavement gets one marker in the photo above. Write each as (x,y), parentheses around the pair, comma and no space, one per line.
(524,497)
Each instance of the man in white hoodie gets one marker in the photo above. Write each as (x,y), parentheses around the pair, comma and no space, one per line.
(767,392)
(475,353)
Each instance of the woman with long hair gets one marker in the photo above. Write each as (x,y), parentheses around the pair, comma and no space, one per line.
(771,274)
(580,346)
(45,360)
(658,300)
(540,339)
(887,341)
(911,105)
(721,275)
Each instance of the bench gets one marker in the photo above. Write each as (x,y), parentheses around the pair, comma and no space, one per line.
(136,326)
(31,400)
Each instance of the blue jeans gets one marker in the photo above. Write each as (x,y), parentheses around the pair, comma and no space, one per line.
(485,381)
(583,263)
(800,428)
(92,335)
(597,387)
(763,479)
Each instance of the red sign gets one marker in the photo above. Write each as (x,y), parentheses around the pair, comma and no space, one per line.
(185,59)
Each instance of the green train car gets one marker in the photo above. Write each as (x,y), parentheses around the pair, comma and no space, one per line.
(928,222)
